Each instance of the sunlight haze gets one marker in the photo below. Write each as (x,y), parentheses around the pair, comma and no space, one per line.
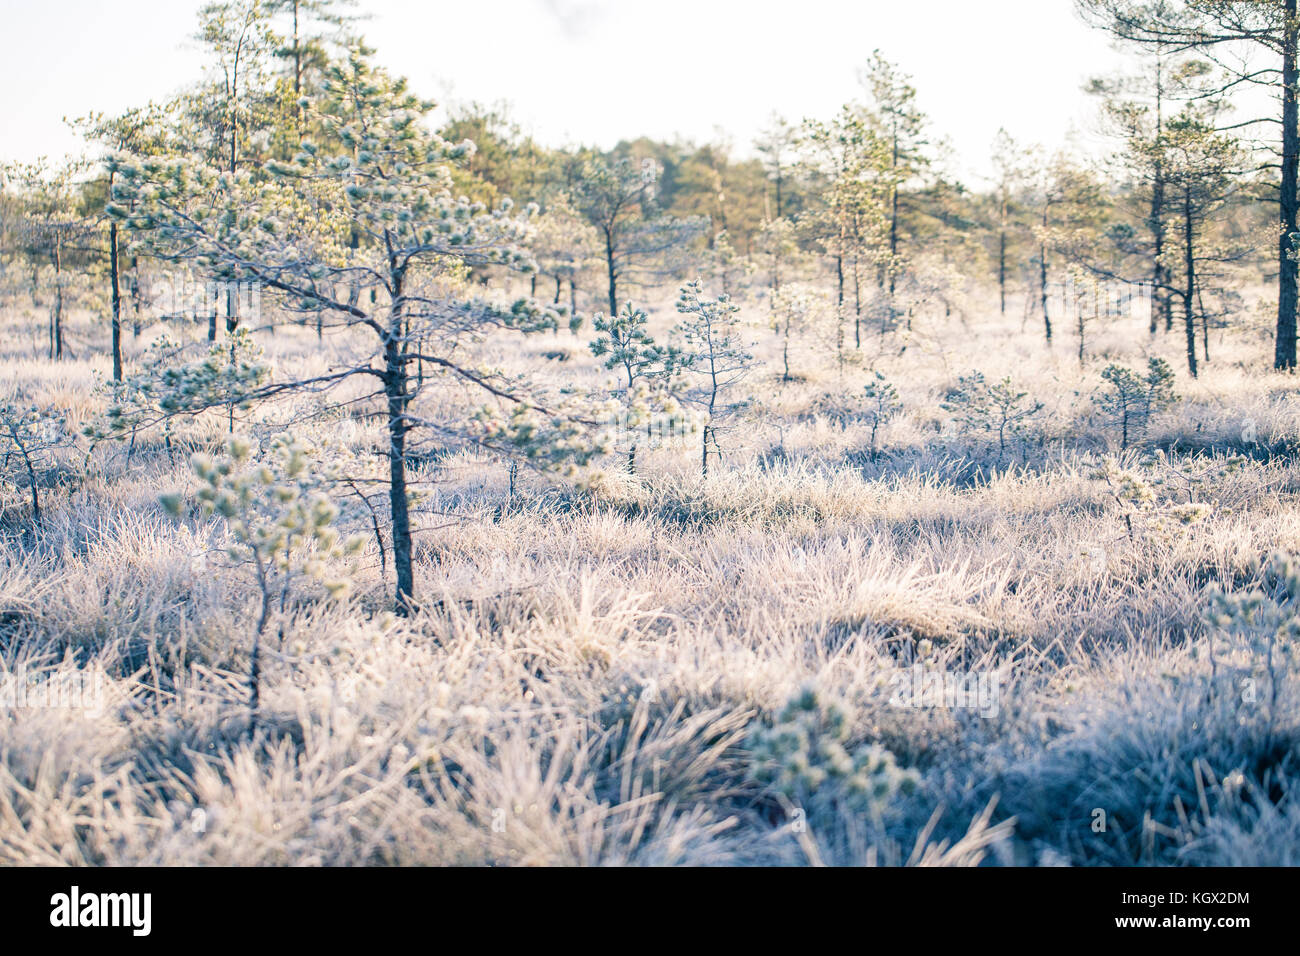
(593,73)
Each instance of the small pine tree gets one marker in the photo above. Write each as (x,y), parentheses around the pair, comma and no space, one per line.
(998,408)
(625,345)
(715,352)
(164,388)
(807,754)
(883,404)
(795,309)
(28,438)
(1129,399)
(280,523)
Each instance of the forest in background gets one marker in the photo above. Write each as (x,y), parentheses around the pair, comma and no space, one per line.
(1190,201)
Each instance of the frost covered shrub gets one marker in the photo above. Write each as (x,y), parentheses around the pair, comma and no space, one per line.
(280,525)
(1183,756)
(165,388)
(883,404)
(646,368)
(1255,634)
(28,439)
(999,410)
(806,757)
(1128,399)
(1158,496)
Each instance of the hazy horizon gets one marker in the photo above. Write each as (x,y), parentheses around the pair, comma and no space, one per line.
(659,80)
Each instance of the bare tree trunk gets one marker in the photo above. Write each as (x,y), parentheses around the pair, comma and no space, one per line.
(893,226)
(232,308)
(116,292)
(136,302)
(839,308)
(1285,351)
(1159,273)
(58,300)
(1189,290)
(1002,264)
(1042,284)
(1042,268)
(1081,321)
(613,275)
(395,392)
(857,306)
(1159,279)
(1205,327)
(297,71)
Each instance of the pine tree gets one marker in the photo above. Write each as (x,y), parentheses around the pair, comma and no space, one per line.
(1203,172)
(852,224)
(716,353)
(618,199)
(625,345)
(901,124)
(1215,28)
(388,181)
(1009,180)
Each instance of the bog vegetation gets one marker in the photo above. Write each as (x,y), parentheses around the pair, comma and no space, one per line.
(381,485)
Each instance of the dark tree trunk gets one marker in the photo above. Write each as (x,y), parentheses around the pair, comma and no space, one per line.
(613,274)
(1042,271)
(232,308)
(1081,320)
(1189,290)
(1159,280)
(116,292)
(58,301)
(857,306)
(1042,284)
(1159,273)
(893,227)
(839,303)
(1285,351)
(1205,334)
(395,393)
(1002,266)
(297,71)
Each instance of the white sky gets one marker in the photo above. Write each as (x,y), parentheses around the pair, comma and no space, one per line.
(596,71)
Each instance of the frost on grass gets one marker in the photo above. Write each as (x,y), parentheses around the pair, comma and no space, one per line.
(664,670)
